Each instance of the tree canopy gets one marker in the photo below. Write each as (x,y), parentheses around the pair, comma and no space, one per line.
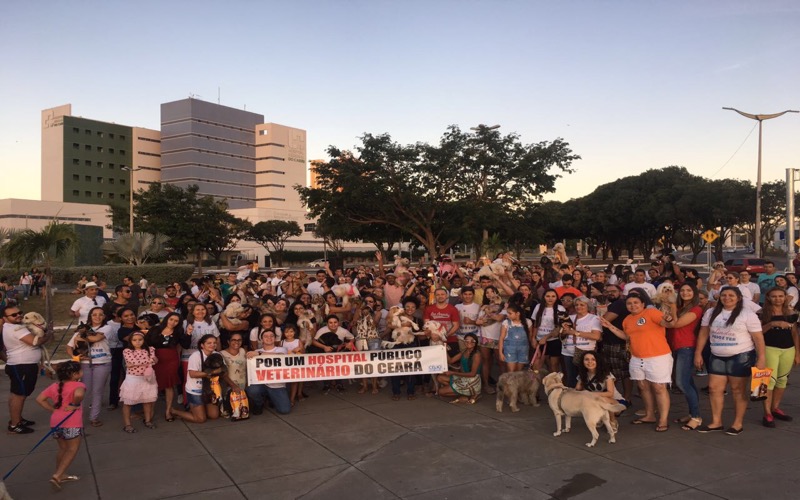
(272,234)
(438,194)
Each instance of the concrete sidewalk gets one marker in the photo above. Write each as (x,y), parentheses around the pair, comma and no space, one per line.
(367,446)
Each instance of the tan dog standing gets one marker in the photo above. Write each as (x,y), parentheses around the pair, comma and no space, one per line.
(571,403)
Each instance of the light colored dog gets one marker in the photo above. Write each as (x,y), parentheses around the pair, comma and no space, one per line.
(403,327)
(437,331)
(517,387)
(571,403)
(35,323)
(306,326)
(665,296)
(345,292)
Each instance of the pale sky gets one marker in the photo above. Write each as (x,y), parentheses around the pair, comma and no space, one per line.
(630,85)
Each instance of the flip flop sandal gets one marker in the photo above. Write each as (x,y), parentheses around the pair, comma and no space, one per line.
(396,397)
(67,479)
(169,419)
(96,423)
(150,425)
(692,424)
(681,420)
(56,483)
(639,421)
(129,429)
(662,428)
(457,401)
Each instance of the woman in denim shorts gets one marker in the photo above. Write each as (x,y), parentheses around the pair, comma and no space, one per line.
(737,344)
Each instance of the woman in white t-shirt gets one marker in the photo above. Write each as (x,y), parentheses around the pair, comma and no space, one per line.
(737,344)
(199,410)
(267,322)
(197,325)
(96,363)
(586,330)
(546,328)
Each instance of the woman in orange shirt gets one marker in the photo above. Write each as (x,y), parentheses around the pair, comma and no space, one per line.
(651,357)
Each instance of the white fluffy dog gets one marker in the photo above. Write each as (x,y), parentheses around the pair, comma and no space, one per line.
(36,324)
(306,326)
(403,327)
(571,403)
(232,312)
(437,331)
(665,297)
(345,292)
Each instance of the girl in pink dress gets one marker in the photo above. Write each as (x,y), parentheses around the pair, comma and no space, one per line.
(140,385)
(64,399)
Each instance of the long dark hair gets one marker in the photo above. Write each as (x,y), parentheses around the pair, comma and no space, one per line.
(766,312)
(64,372)
(600,373)
(475,338)
(684,306)
(543,306)
(517,309)
(177,331)
(89,317)
(736,310)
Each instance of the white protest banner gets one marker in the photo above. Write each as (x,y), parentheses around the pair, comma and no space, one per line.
(280,368)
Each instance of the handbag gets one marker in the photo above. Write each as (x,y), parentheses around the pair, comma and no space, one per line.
(149,372)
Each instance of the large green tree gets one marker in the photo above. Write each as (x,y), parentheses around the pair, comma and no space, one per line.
(273,234)
(43,247)
(436,194)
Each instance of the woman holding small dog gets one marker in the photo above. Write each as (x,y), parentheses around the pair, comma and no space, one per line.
(578,337)
(737,344)
(199,409)
(651,357)
(465,384)
(546,328)
(95,357)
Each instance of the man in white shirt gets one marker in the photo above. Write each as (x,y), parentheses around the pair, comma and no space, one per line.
(331,326)
(81,307)
(22,366)
(640,281)
(318,287)
(755,291)
(277,393)
(468,312)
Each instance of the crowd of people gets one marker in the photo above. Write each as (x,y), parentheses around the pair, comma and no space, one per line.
(656,325)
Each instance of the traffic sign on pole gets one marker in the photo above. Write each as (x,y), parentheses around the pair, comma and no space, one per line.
(709,236)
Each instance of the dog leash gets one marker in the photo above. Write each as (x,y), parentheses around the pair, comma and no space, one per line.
(52,430)
(62,338)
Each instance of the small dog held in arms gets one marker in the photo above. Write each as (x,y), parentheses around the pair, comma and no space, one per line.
(35,324)
(571,403)
(520,387)
(437,331)
(402,325)
(665,296)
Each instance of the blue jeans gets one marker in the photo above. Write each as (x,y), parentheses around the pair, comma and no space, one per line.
(570,372)
(279,397)
(684,370)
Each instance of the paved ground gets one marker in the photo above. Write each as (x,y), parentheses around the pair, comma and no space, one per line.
(371,447)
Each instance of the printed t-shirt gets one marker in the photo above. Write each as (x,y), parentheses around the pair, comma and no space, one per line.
(447,316)
(467,311)
(734,339)
(99,352)
(648,337)
(548,321)
(588,323)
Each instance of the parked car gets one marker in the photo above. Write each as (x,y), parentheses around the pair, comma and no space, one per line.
(753,266)
(317,263)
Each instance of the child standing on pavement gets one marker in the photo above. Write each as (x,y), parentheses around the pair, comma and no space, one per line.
(64,399)
(140,385)
(514,343)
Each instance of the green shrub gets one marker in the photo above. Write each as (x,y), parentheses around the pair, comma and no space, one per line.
(113,274)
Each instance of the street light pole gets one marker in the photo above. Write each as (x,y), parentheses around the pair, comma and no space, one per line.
(130,197)
(760,119)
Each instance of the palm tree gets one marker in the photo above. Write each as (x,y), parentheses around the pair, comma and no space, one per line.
(137,248)
(44,247)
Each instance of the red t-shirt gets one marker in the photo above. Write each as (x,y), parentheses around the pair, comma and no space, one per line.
(447,316)
(684,336)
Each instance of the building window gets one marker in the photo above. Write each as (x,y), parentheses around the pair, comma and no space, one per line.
(110,196)
(76,177)
(262,132)
(100,180)
(88,132)
(121,196)
(100,134)
(99,164)
(111,151)
(99,149)
(88,178)
(99,194)
(122,152)
(87,163)
(111,166)
(87,147)
(76,130)
(111,136)
(122,137)
(88,194)
(75,192)
(76,161)
(122,181)
(111,180)
(75,145)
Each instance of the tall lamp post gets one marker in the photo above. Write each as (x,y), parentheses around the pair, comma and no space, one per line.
(130,196)
(760,119)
